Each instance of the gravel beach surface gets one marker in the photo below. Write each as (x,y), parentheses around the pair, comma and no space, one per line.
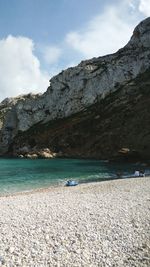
(97,224)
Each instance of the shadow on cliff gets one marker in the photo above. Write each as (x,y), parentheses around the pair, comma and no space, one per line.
(116,128)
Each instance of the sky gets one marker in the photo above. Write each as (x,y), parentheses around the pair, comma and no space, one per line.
(40,38)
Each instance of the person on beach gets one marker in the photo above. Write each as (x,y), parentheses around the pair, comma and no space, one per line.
(137,173)
(142,173)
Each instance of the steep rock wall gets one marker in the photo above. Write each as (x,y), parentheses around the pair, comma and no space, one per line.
(116,127)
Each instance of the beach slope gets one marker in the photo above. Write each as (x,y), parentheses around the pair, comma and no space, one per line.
(97,224)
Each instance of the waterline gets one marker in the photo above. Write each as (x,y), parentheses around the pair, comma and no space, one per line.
(18,175)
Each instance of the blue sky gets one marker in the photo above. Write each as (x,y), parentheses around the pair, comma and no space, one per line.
(45,20)
(39,38)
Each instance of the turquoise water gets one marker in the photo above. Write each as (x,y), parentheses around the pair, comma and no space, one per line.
(25,174)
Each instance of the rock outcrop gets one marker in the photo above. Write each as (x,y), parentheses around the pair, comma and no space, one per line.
(99,108)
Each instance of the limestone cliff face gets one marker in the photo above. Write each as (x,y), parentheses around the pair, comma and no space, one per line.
(86,103)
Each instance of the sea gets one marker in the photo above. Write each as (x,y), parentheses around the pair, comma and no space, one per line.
(18,175)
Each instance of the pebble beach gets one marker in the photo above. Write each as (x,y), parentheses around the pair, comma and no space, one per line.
(96,224)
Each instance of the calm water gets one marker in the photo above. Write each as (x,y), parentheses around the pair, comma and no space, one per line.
(25,174)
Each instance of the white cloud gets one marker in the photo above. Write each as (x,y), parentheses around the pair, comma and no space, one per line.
(131,4)
(51,54)
(105,33)
(20,71)
(144,7)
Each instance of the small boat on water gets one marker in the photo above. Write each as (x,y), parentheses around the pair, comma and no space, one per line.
(71,183)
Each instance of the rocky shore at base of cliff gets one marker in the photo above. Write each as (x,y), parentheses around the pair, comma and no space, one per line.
(98,109)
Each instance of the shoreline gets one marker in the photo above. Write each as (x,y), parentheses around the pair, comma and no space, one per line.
(29,188)
(57,186)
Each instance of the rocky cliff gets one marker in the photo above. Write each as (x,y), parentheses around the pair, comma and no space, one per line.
(98,109)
